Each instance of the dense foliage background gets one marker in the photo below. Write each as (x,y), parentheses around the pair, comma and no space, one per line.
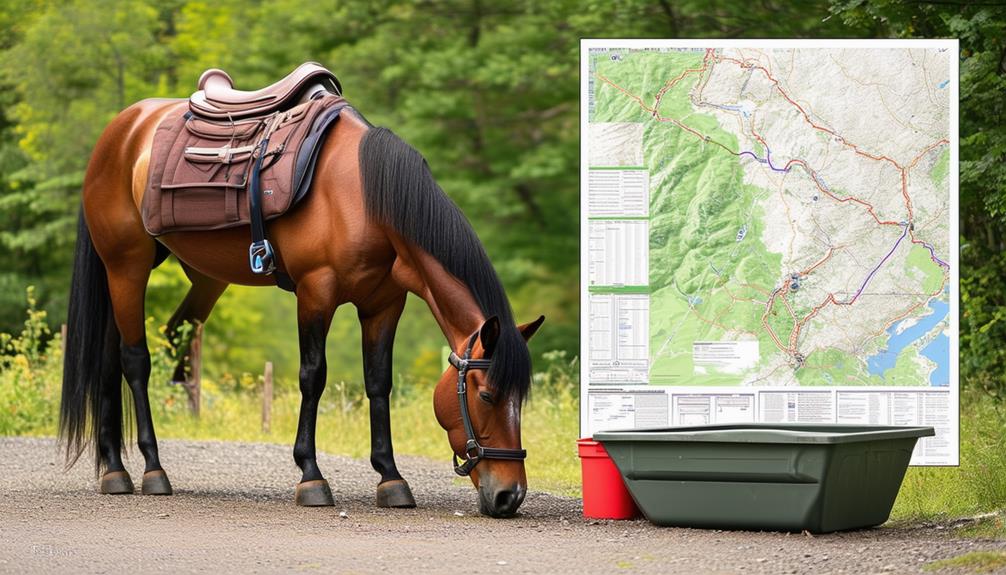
(488,91)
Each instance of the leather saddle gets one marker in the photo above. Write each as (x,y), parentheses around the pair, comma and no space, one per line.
(238,158)
(217,98)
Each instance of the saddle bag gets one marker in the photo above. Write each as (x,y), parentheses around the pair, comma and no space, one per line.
(200,167)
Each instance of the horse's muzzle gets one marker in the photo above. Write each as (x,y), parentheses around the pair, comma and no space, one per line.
(501,502)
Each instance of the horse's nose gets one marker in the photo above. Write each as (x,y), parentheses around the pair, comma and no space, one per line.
(505,502)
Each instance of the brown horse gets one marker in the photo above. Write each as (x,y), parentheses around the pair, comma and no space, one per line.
(375,227)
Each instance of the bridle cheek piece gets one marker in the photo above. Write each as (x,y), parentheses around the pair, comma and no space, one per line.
(473,451)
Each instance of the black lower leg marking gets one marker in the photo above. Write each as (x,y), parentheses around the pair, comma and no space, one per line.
(136,369)
(313,375)
(110,409)
(378,345)
(110,428)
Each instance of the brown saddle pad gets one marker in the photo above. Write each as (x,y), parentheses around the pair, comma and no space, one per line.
(200,167)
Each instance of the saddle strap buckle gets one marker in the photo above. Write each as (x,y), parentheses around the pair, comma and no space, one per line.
(261,257)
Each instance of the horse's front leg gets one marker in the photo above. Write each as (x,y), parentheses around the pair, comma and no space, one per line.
(378,329)
(315,306)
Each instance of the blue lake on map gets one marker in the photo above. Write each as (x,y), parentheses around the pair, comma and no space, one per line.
(937,350)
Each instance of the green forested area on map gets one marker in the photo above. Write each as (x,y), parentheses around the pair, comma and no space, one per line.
(487,91)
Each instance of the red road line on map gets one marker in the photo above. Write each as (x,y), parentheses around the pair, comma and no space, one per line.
(670,83)
(826,257)
(768,328)
(891,322)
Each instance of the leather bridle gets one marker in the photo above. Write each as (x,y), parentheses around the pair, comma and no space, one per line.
(473,451)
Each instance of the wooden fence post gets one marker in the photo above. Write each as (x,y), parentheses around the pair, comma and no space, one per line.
(193,381)
(267,398)
(62,338)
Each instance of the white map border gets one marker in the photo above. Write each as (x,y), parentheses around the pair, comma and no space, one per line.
(587,44)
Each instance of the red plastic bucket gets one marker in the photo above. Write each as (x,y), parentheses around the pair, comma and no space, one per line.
(604,492)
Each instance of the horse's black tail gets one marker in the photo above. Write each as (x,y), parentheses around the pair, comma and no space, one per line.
(92,376)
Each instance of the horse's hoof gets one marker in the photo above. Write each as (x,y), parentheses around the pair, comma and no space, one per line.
(314,493)
(395,493)
(116,483)
(156,483)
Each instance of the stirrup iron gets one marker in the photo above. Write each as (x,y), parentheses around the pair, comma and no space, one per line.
(261,257)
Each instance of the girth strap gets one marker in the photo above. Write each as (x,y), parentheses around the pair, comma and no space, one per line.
(260,254)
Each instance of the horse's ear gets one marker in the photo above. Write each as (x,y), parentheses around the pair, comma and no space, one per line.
(489,334)
(529,329)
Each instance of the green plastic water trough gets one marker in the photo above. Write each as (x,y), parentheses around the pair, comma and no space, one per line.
(818,478)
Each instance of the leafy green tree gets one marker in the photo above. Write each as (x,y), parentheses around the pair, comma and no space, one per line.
(69,69)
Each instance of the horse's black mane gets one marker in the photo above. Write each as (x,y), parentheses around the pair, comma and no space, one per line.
(400,191)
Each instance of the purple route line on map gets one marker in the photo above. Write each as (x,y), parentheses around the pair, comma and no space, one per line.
(876,269)
(932,254)
(768,160)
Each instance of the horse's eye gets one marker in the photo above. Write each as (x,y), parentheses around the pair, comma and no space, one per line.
(486,397)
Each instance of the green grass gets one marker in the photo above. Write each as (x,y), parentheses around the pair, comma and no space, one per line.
(549,428)
(549,422)
(977,486)
(992,526)
(974,562)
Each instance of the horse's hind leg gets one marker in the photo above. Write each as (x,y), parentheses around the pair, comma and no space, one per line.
(378,330)
(196,307)
(115,479)
(128,269)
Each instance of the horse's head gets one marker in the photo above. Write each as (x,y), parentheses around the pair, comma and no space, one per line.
(488,443)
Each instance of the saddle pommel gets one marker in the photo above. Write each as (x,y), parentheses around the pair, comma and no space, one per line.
(217,77)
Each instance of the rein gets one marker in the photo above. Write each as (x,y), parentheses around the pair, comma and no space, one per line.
(473,451)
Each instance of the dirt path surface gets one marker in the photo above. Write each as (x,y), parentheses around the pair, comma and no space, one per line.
(233,511)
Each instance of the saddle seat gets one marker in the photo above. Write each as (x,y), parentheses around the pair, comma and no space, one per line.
(217,99)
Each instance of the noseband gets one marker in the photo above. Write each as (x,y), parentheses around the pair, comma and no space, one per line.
(473,451)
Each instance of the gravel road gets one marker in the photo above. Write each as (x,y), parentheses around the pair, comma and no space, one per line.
(233,511)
